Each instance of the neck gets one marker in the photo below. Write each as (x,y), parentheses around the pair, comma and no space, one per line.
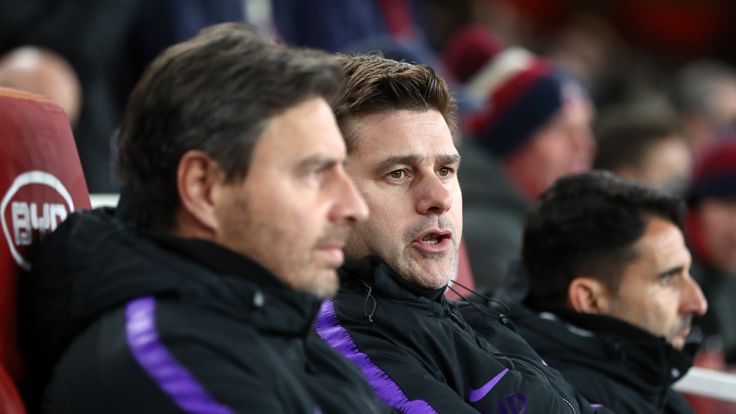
(187,227)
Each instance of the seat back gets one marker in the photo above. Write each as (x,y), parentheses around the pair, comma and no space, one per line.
(41,183)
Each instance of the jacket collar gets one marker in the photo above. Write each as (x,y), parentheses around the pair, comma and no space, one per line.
(115,263)
(650,358)
(386,281)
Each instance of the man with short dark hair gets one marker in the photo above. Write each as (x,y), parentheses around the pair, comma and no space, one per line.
(609,281)
(199,292)
(390,316)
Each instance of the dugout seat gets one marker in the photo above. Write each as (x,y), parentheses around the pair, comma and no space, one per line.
(41,183)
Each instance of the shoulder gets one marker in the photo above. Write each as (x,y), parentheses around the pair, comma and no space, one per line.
(150,353)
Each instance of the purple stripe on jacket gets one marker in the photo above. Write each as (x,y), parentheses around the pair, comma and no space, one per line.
(330,330)
(174,379)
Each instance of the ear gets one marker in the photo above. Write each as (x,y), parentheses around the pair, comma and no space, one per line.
(196,179)
(587,295)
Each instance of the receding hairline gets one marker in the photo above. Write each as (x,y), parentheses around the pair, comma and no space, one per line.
(348,122)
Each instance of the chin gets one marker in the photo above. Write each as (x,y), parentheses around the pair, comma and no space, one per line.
(432,281)
(678,343)
(327,287)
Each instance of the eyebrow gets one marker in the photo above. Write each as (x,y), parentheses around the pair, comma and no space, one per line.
(414,159)
(673,270)
(318,162)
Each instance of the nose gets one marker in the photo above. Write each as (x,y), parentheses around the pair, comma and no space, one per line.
(580,134)
(350,205)
(693,300)
(432,196)
(582,144)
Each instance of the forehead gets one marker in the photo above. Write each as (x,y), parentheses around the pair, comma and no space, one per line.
(305,130)
(663,239)
(661,248)
(403,132)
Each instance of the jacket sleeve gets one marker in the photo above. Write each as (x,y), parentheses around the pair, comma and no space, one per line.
(168,371)
(209,378)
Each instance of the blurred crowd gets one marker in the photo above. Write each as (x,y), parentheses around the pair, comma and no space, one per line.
(646,90)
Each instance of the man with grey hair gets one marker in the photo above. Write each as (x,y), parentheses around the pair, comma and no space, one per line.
(198,293)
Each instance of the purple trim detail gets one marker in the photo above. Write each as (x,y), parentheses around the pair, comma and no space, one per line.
(174,379)
(329,329)
(477,395)
(596,406)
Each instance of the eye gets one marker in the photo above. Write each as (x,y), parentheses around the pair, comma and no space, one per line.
(445,172)
(667,278)
(397,175)
(317,174)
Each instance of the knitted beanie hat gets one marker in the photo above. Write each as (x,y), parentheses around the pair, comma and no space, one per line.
(468,50)
(714,174)
(519,91)
(523,92)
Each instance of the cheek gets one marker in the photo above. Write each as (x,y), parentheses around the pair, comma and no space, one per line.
(553,152)
(720,231)
(457,213)
(664,306)
(294,217)
(383,218)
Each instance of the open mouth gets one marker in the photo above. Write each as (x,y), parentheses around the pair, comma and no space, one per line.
(433,241)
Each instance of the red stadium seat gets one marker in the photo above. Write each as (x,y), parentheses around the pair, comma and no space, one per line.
(10,402)
(41,183)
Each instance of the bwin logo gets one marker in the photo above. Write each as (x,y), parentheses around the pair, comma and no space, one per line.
(35,204)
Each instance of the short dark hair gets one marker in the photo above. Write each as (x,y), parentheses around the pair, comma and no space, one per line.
(624,137)
(216,93)
(375,84)
(587,224)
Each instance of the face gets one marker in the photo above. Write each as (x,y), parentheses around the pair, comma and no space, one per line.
(718,218)
(563,146)
(405,165)
(667,164)
(656,291)
(294,209)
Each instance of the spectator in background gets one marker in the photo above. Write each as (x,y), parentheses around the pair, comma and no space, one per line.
(107,43)
(711,230)
(333,26)
(534,129)
(645,147)
(611,291)
(45,73)
(705,92)
(199,292)
(90,36)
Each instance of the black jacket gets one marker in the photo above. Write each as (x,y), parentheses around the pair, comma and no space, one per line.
(608,360)
(127,323)
(422,357)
